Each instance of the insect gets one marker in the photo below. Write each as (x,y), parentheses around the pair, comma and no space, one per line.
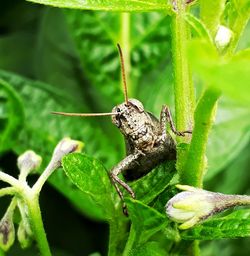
(147,141)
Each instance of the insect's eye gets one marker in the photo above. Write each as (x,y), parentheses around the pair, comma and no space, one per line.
(118,110)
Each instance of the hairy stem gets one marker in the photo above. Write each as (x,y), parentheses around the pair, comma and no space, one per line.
(192,172)
(32,201)
(183,88)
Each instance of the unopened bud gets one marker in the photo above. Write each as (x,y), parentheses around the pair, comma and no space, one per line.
(24,235)
(223,37)
(7,231)
(195,205)
(28,161)
(64,147)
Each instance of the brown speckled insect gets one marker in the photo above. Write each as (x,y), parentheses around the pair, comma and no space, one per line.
(147,141)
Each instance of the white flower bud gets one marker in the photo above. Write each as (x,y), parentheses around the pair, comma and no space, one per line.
(64,147)
(28,161)
(223,37)
(195,205)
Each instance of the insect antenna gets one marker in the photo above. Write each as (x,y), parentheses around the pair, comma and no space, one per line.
(84,114)
(125,91)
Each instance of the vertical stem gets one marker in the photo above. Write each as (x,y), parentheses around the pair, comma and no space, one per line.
(125,43)
(192,172)
(130,241)
(118,231)
(32,202)
(184,91)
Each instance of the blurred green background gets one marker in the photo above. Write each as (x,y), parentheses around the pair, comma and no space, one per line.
(66,60)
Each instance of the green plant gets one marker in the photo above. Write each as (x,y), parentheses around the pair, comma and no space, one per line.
(207,44)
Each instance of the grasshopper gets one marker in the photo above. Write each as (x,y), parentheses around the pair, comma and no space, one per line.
(147,141)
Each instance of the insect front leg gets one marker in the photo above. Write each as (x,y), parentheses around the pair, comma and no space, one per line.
(166,117)
(119,168)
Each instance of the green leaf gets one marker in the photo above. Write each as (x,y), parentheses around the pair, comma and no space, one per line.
(148,249)
(11,116)
(198,27)
(102,67)
(236,224)
(151,185)
(146,221)
(231,76)
(113,5)
(209,16)
(42,139)
(229,135)
(91,178)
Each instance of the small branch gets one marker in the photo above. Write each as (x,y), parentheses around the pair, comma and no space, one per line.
(193,169)
(7,191)
(43,177)
(125,44)
(9,179)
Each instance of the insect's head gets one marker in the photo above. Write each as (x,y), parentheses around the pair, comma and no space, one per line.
(128,115)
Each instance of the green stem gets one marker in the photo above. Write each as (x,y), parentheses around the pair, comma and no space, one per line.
(9,179)
(130,242)
(193,170)
(184,90)
(125,44)
(7,191)
(118,231)
(32,202)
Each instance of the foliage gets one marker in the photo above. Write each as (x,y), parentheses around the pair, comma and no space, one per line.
(66,60)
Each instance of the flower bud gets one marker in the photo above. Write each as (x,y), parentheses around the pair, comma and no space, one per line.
(195,205)
(64,147)
(27,162)
(24,235)
(223,37)
(7,231)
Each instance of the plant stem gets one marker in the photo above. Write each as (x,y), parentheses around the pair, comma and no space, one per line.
(7,191)
(32,201)
(184,91)
(192,172)
(9,179)
(118,231)
(43,177)
(130,241)
(125,44)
